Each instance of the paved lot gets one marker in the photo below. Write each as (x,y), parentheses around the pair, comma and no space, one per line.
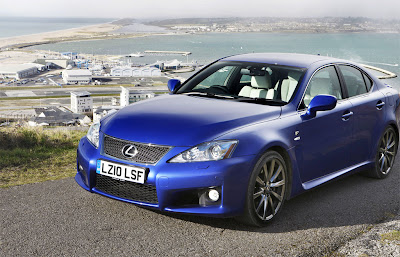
(59,218)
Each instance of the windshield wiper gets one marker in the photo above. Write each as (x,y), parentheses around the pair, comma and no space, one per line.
(261,101)
(238,98)
(210,95)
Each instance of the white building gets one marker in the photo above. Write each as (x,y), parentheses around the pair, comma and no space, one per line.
(121,71)
(81,102)
(77,76)
(128,97)
(18,71)
(102,111)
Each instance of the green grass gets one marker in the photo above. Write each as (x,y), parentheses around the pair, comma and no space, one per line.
(8,88)
(36,155)
(391,236)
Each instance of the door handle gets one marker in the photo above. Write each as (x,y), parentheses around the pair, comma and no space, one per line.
(380,105)
(346,115)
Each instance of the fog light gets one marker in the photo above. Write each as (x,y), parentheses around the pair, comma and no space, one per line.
(213,195)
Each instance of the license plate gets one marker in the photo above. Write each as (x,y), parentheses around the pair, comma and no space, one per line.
(121,172)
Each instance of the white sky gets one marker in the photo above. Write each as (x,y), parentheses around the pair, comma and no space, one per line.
(160,9)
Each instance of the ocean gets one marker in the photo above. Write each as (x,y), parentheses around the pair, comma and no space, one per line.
(18,26)
(376,49)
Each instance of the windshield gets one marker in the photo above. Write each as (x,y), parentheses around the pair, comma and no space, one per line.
(258,82)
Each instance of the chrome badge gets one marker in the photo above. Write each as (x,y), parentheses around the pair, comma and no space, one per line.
(129,151)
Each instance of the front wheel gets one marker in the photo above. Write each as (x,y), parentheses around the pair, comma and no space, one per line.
(385,155)
(266,191)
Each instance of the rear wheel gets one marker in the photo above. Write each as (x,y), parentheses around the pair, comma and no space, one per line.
(385,155)
(266,191)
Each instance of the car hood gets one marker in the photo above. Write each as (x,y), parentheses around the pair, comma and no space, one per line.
(181,120)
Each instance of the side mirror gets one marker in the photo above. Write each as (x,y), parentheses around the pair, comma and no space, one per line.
(320,103)
(173,84)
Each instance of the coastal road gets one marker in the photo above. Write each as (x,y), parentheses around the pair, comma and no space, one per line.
(66,91)
(60,218)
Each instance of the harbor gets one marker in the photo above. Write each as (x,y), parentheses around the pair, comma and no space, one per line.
(45,74)
(167,52)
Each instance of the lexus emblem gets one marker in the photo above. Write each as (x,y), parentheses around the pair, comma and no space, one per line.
(129,151)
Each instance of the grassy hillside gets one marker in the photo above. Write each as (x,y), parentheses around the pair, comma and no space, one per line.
(29,155)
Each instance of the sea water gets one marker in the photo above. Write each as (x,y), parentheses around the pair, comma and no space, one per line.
(18,26)
(376,49)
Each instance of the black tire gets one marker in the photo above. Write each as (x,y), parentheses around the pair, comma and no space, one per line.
(385,154)
(266,191)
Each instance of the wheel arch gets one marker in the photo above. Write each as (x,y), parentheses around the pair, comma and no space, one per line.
(286,157)
(396,129)
(388,124)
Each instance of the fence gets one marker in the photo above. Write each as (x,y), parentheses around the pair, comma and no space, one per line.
(15,116)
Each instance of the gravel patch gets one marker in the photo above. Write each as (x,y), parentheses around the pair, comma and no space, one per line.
(382,239)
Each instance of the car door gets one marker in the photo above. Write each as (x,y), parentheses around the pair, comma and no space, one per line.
(323,140)
(368,108)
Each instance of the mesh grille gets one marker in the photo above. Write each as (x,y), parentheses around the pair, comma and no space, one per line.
(128,190)
(147,153)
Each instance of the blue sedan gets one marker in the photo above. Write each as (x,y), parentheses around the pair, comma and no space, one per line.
(243,135)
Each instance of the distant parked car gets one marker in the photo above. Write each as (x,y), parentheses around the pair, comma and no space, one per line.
(243,135)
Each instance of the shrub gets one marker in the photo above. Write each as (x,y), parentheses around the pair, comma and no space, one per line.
(11,138)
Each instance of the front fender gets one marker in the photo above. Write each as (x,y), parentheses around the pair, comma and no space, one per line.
(275,134)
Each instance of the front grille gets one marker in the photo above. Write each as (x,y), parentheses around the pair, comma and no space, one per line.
(146,153)
(128,190)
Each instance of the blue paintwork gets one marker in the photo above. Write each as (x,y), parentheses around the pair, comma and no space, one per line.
(320,103)
(337,137)
(184,116)
(173,84)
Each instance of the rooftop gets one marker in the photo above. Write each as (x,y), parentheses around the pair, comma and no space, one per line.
(80,93)
(78,72)
(16,67)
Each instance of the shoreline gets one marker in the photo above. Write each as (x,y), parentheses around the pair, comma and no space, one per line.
(104,31)
(96,31)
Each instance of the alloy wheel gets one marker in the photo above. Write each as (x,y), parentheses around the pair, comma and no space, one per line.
(387,151)
(269,189)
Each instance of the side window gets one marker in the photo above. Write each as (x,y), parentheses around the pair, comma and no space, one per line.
(354,80)
(368,82)
(325,82)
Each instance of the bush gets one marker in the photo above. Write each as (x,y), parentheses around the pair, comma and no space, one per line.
(11,138)
(30,155)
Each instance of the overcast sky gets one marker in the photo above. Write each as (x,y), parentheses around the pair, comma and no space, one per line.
(145,9)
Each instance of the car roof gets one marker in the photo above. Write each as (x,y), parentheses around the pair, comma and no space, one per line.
(286,59)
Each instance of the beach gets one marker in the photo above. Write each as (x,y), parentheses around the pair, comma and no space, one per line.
(98,31)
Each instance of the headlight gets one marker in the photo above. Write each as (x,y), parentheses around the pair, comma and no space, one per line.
(210,151)
(93,134)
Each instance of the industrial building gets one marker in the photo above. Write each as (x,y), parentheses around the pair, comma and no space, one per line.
(55,63)
(121,71)
(77,76)
(81,102)
(128,97)
(18,71)
(70,55)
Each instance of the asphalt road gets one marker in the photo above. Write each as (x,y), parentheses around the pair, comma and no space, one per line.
(58,218)
(67,91)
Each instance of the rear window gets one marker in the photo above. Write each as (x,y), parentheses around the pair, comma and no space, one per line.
(354,80)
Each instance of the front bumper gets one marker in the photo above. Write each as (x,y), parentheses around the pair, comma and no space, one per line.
(179,185)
